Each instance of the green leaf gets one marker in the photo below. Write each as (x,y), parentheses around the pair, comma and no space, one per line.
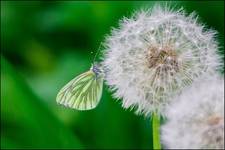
(25,119)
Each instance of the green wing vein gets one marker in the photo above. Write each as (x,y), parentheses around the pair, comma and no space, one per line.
(81,93)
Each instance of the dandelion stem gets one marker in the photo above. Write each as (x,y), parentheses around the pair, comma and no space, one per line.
(156,131)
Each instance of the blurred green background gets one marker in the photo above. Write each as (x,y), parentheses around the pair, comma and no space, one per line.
(46,44)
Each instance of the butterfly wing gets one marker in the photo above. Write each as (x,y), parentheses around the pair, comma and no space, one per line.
(82,93)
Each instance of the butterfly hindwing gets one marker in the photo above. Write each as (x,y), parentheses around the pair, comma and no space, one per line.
(82,93)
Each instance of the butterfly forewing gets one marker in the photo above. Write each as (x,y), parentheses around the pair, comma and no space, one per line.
(82,93)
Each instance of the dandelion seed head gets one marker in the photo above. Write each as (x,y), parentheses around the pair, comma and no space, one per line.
(196,117)
(154,54)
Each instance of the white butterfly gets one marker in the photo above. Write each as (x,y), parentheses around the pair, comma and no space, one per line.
(84,91)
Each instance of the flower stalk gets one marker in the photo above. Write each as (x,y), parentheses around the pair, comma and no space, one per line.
(156,131)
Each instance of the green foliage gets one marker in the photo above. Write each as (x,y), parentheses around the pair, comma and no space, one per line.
(46,44)
(26,120)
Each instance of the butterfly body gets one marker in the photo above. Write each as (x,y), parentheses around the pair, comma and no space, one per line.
(84,91)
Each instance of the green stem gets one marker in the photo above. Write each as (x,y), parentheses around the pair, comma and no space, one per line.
(156,131)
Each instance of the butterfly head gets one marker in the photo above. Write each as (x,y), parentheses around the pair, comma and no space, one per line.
(97,69)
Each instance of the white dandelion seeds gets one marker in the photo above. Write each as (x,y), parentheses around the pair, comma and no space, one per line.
(154,55)
(197,120)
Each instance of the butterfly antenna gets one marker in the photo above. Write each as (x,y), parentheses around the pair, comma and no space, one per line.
(96,54)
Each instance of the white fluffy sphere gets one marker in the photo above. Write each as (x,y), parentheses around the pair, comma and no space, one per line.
(196,118)
(154,54)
